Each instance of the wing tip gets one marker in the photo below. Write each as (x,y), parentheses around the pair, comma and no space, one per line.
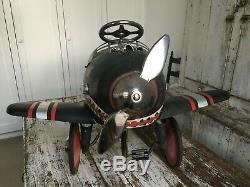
(221,95)
(11,109)
(18,109)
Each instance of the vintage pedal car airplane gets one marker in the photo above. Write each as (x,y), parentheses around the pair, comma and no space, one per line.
(124,88)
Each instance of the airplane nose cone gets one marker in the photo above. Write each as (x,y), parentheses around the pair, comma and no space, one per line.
(135,94)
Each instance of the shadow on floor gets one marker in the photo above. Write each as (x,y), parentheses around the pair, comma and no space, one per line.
(11,162)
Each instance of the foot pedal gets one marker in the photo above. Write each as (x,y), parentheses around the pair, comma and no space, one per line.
(140,154)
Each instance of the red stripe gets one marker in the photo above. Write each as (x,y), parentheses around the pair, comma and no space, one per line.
(209,98)
(30,110)
(191,102)
(53,112)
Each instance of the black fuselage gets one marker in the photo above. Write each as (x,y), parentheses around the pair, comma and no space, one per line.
(107,66)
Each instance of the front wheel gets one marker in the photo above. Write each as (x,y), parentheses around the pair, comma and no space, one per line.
(74,148)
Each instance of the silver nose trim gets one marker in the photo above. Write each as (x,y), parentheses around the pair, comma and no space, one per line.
(136,96)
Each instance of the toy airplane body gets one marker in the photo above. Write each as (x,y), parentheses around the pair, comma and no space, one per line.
(124,88)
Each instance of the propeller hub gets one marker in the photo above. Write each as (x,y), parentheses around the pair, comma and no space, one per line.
(136,96)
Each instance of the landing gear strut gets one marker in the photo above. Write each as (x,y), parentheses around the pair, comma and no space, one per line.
(124,146)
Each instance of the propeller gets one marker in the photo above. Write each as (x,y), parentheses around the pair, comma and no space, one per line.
(156,58)
(112,130)
(153,65)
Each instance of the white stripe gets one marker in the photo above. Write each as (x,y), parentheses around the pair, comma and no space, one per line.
(201,100)
(41,112)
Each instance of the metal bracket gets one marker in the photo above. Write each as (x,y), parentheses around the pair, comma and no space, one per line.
(172,60)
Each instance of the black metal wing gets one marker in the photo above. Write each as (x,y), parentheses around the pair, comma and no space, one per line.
(191,102)
(54,111)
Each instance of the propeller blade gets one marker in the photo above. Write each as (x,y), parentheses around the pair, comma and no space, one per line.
(156,58)
(112,130)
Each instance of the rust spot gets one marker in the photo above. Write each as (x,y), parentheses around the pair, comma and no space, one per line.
(239,4)
(230,18)
(245,18)
(49,174)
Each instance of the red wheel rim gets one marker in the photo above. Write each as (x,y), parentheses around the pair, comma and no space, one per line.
(171,143)
(76,147)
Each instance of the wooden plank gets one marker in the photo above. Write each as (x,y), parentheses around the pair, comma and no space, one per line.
(46,163)
(216,43)
(207,40)
(202,167)
(241,77)
(197,37)
(233,50)
(158,173)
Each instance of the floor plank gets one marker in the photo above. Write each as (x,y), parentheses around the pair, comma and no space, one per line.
(46,163)
(11,162)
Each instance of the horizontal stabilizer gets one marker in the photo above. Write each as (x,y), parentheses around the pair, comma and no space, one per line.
(191,102)
(54,111)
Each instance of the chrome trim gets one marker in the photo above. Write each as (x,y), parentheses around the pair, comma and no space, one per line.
(41,112)
(136,96)
(201,100)
(120,46)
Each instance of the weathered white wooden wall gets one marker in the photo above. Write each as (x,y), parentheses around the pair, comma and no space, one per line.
(45,44)
(166,16)
(216,48)
(8,89)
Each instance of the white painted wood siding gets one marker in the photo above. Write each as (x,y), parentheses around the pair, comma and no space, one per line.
(83,20)
(37,35)
(8,89)
(216,48)
(241,78)
(165,17)
(206,45)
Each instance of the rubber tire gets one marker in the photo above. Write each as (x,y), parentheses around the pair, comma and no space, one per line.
(173,147)
(85,137)
(124,146)
(74,148)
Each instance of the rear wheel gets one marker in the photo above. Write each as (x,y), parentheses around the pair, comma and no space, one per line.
(173,148)
(74,148)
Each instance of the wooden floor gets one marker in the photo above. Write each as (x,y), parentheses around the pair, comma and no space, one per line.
(46,163)
(11,162)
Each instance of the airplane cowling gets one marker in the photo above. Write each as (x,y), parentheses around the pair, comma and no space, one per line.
(107,69)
